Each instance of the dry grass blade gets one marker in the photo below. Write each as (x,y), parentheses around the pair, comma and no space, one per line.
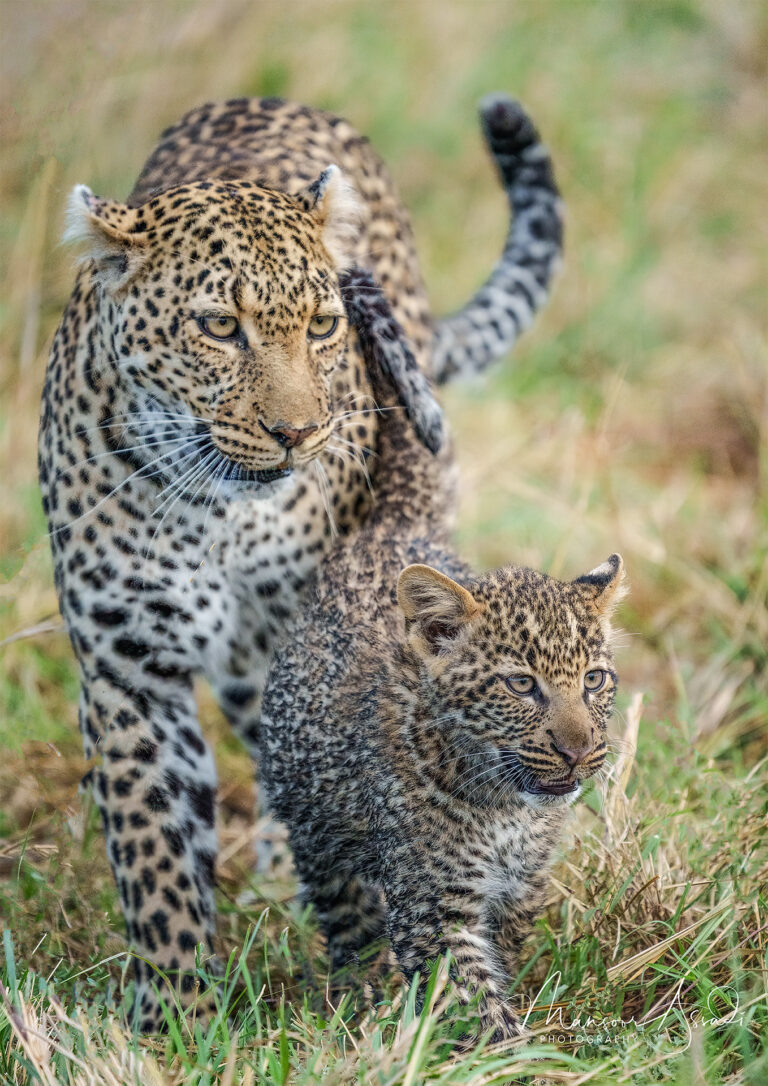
(616,804)
(632,967)
(633,417)
(45,627)
(31,1036)
(422,1032)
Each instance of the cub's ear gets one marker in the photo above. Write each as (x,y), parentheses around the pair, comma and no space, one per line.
(335,203)
(112,235)
(437,610)
(603,586)
(388,355)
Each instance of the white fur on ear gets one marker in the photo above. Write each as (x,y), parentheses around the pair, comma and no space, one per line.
(340,210)
(604,585)
(436,608)
(102,227)
(78,226)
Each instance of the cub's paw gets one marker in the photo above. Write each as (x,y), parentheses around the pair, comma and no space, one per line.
(273,853)
(500,1024)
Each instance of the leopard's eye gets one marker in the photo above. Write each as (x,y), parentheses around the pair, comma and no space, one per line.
(219,327)
(595,680)
(322,326)
(522,685)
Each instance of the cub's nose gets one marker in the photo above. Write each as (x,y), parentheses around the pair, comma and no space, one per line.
(288,437)
(575,753)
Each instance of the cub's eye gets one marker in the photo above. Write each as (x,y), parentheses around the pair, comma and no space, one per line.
(219,327)
(321,327)
(522,685)
(595,680)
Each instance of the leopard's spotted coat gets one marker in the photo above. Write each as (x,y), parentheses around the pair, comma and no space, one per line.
(192,485)
(423,792)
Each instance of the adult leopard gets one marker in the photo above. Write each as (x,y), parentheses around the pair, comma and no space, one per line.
(206,423)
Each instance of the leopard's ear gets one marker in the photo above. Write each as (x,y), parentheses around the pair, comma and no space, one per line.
(335,203)
(437,610)
(603,586)
(111,234)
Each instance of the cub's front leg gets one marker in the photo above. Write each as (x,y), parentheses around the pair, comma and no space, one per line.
(426,919)
(511,921)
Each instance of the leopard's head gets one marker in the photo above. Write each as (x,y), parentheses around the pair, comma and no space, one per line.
(518,672)
(222,317)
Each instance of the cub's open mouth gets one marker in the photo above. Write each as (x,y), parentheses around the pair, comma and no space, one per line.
(554,788)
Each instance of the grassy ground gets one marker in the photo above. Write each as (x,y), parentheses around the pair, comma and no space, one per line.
(634,418)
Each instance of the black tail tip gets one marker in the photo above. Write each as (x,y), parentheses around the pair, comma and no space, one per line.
(426,415)
(503,118)
(431,432)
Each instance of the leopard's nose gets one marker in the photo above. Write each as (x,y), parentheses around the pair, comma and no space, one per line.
(288,437)
(574,754)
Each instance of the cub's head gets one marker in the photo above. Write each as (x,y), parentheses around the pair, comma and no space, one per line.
(221,306)
(518,671)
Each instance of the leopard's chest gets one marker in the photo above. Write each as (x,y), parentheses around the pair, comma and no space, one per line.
(264,555)
(510,853)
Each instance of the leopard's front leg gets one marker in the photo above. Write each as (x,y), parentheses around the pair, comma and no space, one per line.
(154,782)
(425,919)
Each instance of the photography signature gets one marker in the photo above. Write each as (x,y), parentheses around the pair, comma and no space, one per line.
(675,1018)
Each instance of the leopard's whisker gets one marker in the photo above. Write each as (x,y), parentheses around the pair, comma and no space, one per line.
(336,450)
(120,449)
(322,479)
(465,782)
(175,490)
(369,411)
(355,445)
(218,476)
(357,457)
(136,419)
(179,483)
(142,472)
(346,457)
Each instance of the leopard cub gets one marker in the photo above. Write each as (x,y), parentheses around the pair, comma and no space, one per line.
(425,730)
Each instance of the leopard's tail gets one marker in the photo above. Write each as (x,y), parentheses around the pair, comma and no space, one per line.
(504,307)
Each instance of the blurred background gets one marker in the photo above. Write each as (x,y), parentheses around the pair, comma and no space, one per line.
(632,418)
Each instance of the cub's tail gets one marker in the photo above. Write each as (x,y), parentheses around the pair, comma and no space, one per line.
(413,482)
(389,359)
(488,326)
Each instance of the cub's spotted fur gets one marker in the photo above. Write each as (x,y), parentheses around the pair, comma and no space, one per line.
(207,426)
(423,756)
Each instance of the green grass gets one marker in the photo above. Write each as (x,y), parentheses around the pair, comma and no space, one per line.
(633,417)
